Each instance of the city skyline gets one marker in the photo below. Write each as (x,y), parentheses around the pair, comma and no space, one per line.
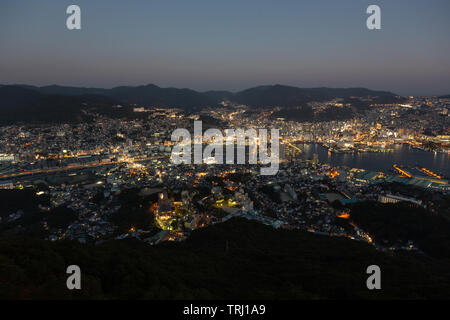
(211,46)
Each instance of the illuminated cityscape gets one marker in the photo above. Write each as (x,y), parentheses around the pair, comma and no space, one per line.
(85,167)
(224,155)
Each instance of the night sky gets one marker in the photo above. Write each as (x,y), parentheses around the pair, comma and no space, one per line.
(228,45)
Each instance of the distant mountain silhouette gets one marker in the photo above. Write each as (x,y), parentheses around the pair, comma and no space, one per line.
(262,96)
(65,90)
(56,109)
(218,96)
(152,95)
(47,103)
(14,96)
(286,96)
(146,95)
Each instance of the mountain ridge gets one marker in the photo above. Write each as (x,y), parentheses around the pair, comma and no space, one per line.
(149,89)
(22,99)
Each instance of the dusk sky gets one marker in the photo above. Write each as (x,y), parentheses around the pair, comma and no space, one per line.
(228,45)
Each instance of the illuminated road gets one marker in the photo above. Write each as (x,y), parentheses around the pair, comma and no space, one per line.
(402,171)
(291,145)
(430,173)
(76,167)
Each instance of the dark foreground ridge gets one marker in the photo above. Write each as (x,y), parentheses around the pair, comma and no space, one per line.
(237,259)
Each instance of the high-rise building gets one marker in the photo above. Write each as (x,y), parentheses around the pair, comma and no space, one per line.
(315,158)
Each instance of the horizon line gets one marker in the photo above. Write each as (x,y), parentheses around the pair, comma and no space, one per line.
(226,90)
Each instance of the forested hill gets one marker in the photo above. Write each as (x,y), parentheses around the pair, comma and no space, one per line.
(25,103)
(260,263)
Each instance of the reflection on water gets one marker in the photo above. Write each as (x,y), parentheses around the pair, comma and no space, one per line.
(402,155)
